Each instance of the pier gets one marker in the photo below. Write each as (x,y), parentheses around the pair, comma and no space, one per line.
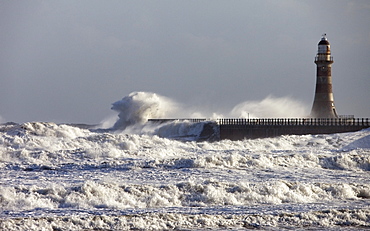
(237,129)
(240,128)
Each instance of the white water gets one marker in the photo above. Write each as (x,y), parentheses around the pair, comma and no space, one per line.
(270,107)
(138,107)
(62,177)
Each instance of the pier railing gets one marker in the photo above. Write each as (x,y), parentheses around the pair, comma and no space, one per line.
(171,120)
(280,121)
(298,121)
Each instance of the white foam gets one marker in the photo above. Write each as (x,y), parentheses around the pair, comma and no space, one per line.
(335,219)
(360,142)
(40,143)
(183,130)
(270,107)
(92,195)
(135,109)
(138,107)
(64,176)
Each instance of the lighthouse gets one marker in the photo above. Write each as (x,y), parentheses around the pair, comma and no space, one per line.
(323,104)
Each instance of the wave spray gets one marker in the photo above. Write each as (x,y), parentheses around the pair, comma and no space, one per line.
(138,107)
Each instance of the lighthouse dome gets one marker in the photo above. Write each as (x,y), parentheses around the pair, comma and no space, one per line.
(323,52)
(324,42)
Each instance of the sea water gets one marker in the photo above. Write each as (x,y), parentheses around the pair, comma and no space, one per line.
(79,177)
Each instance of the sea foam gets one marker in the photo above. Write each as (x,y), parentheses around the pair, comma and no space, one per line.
(143,176)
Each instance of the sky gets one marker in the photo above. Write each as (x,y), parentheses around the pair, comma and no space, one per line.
(68,61)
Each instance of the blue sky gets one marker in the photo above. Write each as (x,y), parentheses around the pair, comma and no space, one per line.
(68,61)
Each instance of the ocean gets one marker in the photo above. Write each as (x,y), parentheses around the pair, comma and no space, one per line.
(158,177)
(65,177)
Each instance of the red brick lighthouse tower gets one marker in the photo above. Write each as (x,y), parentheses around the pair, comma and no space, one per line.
(323,104)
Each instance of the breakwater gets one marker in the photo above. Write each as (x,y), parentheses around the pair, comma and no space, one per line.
(236,129)
(239,128)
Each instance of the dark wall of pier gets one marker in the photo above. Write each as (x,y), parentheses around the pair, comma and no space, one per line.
(237,129)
